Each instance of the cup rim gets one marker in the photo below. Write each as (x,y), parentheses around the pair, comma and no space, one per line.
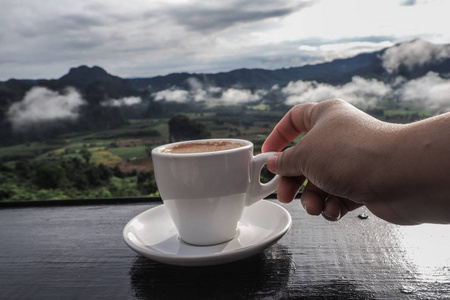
(157,150)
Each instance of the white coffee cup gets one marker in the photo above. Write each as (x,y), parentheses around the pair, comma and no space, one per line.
(205,193)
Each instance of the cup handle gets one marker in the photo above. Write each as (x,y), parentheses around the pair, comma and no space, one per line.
(260,190)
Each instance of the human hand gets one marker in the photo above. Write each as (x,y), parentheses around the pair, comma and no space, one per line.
(352,159)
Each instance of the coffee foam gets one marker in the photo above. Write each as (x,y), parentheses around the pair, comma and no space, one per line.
(202,147)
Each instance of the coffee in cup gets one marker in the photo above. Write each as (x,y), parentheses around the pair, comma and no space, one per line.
(202,146)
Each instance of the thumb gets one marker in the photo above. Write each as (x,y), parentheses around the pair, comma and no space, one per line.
(286,163)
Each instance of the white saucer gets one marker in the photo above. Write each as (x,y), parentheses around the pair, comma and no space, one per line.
(153,235)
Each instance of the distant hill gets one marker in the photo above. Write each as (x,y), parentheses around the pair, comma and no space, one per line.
(95,83)
(98,80)
(336,72)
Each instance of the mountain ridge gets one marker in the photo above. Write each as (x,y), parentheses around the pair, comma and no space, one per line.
(263,78)
(335,72)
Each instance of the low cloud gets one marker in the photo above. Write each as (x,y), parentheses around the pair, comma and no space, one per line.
(430,91)
(238,96)
(413,54)
(173,95)
(360,91)
(43,105)
(127,101)
(198,91)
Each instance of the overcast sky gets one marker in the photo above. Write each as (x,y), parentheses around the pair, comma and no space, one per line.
(143,38)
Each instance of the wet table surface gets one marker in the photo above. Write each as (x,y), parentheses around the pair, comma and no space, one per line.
(77,252)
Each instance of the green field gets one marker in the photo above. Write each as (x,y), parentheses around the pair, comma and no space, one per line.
(124,152)
(116,163)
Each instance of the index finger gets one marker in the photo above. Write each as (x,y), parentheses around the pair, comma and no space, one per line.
(296,121)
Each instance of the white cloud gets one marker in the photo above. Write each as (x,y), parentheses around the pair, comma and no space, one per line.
(354,47)
(308,48)
(127,101)
(298,87)
(214,89)
(194,83)
(44,39)
(431,91)
(238,96)
(413,54)
(174,95)
(359,91)
(199,91)
(41,105)
(147,38)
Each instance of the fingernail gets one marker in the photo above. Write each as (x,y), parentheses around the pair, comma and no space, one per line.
(303,204)
(332,218)
(272,163)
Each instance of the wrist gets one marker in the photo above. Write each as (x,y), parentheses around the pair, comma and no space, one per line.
(415,171)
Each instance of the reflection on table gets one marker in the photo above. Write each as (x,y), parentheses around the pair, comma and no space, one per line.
(77,252)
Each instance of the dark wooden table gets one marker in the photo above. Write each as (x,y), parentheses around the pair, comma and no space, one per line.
(76,251)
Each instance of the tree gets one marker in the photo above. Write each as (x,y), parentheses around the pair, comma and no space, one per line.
(51,176)
(105,172)
(86,154)
(146,182)
(182,128)
(24,168)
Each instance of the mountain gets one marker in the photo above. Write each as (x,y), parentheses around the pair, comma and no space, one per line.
(98,89)
(95,83)
(84,75)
